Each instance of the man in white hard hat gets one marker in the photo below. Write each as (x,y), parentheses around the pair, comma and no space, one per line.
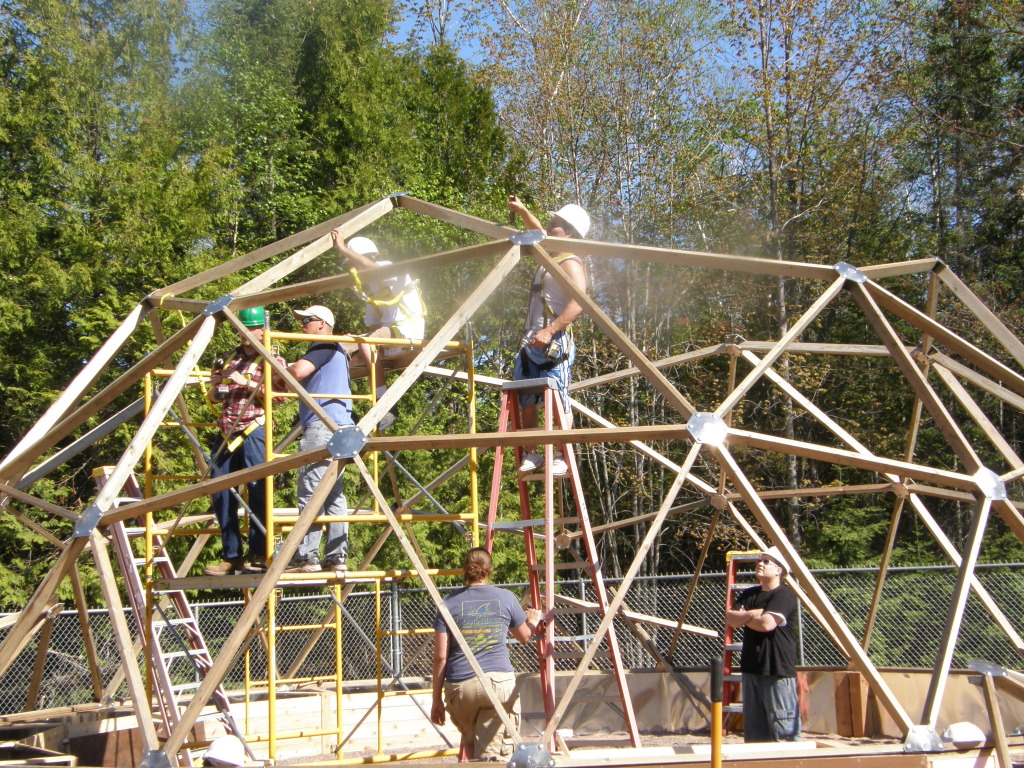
(548,350)
(322,370)
(768,614)
(394,309)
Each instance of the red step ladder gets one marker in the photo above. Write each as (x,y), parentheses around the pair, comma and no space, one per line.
(557,534)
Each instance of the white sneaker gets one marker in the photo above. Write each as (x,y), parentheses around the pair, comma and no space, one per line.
(531,461)
(558,465)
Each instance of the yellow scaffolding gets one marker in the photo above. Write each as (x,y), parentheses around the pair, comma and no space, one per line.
(339,585)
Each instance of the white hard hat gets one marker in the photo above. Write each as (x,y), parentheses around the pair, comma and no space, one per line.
(776,555)
(318,311)
(575,217)
(964,735)
(225,750)
(362,245)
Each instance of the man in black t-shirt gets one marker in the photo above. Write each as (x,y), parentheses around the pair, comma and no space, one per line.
(768,614)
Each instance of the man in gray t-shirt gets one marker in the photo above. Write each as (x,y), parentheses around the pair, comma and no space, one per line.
(484,615)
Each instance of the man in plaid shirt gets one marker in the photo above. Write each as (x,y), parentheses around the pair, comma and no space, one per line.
(237,386)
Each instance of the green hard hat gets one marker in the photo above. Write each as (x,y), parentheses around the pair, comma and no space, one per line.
(253,317)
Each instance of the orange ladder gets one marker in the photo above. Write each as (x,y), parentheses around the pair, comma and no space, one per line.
(543,594)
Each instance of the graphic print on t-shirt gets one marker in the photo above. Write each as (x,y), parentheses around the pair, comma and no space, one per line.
(482,623)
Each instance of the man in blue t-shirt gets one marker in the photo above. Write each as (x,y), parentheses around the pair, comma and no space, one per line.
(768,614)
(484,615)
(323,370)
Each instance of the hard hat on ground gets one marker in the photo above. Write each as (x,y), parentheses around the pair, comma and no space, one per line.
(363,246)
(575,217)
(224,751)
(776,555)
(318,311)
(253,317)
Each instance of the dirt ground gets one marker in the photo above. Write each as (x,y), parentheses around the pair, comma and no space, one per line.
(662,739)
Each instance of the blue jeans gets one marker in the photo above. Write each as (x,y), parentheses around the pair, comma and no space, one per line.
(250,453)
(316,435)
(771,708)
(525,367)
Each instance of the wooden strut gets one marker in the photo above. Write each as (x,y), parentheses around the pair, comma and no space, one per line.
(616,602)
(919,507)
(814,591)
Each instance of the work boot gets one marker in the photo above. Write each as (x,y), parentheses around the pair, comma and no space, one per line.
(304,566)
(226,567)
(337,564)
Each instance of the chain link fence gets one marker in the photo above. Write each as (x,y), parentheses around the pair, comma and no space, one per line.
(908,630)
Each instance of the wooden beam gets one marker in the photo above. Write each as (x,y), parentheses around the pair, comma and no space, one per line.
(813,589)
(668,362)
(852,459)
(682,258)
(985,315)
(42,650)
(982,382)
(899,268)
(88,640)
(360,219)
(616,603)
(338,282)
(954,618)
(995,720)
(46,506)
(463,220)
(978,416)
(808,317)
(239,263)
(29,444)
(122,638)
(656,378)
(925,324)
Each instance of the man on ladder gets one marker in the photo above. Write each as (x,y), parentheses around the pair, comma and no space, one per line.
(548,350)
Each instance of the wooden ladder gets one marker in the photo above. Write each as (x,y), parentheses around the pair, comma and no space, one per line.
(171,636)
(732,685)
(558,535)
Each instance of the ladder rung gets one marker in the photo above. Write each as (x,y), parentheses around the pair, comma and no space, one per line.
(734,646)
(733,678)
(533,522)
(563,567)
(578,655)
(733,709)
(533,476)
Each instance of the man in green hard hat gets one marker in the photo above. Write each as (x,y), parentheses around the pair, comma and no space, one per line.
(236,384)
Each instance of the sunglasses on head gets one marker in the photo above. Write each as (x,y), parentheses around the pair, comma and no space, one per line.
(766,561)
(308,320)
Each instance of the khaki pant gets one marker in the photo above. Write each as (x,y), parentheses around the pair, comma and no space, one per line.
(477,721)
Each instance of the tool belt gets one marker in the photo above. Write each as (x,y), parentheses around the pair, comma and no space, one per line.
(236,439)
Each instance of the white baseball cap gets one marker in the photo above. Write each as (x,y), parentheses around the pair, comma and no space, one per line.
(362,245)
(575,217)
(318,311)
